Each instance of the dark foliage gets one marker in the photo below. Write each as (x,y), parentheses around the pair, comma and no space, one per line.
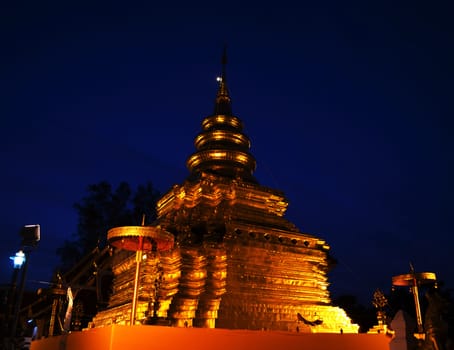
(102,209)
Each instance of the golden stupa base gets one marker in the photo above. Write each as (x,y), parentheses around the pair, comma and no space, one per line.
(168,338)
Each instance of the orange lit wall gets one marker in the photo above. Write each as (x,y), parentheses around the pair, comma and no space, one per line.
(171,338)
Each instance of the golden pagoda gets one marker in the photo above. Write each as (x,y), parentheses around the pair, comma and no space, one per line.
(236,262)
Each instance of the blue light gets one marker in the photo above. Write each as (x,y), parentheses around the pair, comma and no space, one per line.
(18,259)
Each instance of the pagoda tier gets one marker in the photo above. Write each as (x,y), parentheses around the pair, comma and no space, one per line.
(222,149)
(272,270)
(159,281)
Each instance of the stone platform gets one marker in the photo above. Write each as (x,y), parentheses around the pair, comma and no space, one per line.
(170,338)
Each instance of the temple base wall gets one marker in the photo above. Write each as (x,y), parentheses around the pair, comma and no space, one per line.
(169,338)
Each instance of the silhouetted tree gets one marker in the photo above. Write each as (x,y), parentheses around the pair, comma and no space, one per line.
(102,209)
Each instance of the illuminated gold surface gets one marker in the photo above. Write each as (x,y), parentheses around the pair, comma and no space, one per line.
(158,282)
(272,271)
(222,147)
(409,278)
(237,262)
(212,157)
(216,120)
(221,135)
(127,237)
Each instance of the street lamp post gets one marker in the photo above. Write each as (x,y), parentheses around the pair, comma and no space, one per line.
(30,237)
(18,261)
(18,301)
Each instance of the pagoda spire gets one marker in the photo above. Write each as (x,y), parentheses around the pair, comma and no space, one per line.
(223,105)
(222,147)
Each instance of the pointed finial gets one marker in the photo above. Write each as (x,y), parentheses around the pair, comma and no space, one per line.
(224,62)
(223,78)
(223,105)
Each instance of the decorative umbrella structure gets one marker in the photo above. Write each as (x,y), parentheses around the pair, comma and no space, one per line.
(140,239)
(414,280)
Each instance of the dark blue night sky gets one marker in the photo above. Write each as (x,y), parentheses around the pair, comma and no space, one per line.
(349,107)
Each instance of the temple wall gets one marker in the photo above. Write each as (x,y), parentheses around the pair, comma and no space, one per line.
(171,338)
(269,284)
